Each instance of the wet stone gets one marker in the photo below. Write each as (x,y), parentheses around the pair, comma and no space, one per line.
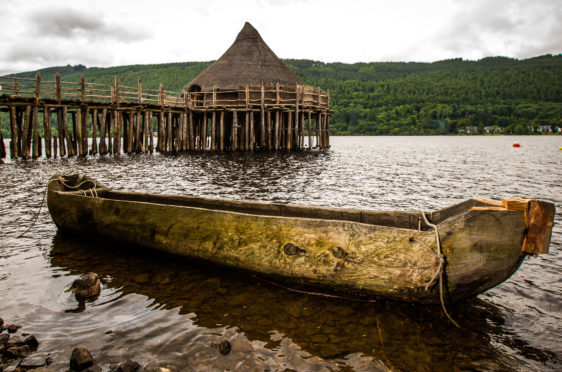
(126,366)
(141,278)
(32,361)
(43,369)
(224,347)
(1,323)
(17,352)
(222,290)
(13,342)
(13,328)
(4,338)
(31,341)
(94,368)
(80,359)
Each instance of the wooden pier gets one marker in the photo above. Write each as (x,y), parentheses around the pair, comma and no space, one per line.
(93,119)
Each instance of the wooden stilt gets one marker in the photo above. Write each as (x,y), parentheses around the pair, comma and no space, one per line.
(213,131)
(252,132)
(110,129)
(94,150)
(150,133)
(55,147)
(35,132)
(169,133)
(25,133)
(204,128)
(190,130)
(102,145)
(14,148)
(327,131)
(235,130)
(2,146)
(290,131)
(262,119)
(268,133)
(47,130)
(309,132)
(277,133)
(222,131)
(247,130)
(130,132)
(138,130)
(61,134)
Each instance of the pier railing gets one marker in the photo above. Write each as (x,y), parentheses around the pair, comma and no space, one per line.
(82,91)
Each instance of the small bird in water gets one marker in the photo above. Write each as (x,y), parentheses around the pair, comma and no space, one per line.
(85,287)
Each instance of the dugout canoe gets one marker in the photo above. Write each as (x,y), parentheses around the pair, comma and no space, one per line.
(361,252)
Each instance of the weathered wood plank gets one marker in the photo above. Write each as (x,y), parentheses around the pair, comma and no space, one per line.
(47,133)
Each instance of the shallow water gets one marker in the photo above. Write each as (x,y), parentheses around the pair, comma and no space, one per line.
(156,307)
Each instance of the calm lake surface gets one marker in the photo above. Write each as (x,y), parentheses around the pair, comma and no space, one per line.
(159,308)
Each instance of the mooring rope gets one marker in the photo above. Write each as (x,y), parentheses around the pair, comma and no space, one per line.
(440,269)
(62,181)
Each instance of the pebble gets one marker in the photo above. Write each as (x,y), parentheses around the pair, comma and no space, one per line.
(34,361)
(17,352)
(126,366)
(224,347)
(13,342)
(13,328)
(80,359)
(4,338)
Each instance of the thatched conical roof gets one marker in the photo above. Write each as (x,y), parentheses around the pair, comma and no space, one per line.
(248,61)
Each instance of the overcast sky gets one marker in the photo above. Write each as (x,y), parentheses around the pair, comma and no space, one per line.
(43,33)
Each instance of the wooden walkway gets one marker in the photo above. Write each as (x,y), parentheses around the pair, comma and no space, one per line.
(57,118)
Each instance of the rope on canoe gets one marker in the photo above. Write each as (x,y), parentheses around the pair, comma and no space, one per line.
(440,270)
(61,180)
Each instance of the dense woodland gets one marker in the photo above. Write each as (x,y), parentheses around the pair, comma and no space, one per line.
(496,94)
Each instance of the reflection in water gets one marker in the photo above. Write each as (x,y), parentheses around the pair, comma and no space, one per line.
(397,334)
(155,307)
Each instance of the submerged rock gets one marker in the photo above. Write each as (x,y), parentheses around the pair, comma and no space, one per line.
(17,352)
(4,338)
(80,359)
(142,278)
(224,347)
(34,361)
(160,367)
(126,366)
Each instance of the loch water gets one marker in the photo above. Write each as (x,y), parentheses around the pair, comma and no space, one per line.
(155,307)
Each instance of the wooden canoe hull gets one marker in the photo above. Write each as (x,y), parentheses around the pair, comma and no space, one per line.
(482,247)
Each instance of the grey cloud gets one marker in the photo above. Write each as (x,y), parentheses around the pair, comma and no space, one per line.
(70,24)
(514,22)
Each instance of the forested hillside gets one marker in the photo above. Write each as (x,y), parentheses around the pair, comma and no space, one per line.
(494,94)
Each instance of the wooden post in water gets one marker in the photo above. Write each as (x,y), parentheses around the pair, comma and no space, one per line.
(203,134)
(235,130)
(14,150)
(268,133)
(138,130)
(103,146)
(47,134)
(85,130)
(277,134)
(2,146)
(25,133)
(131,132)
(37,90)
(55,147)
(309,132)
(117,124)
(190,127)
(35,132)
(222,131)
(289,138)
(262,118)
(77,131)
(60,130)
(297,126)
(213,129)
(169,133)
(252,131)
(94,131)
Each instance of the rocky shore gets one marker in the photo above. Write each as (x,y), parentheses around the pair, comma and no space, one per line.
(19,353)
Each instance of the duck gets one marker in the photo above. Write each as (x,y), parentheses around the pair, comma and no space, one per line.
(86,287)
